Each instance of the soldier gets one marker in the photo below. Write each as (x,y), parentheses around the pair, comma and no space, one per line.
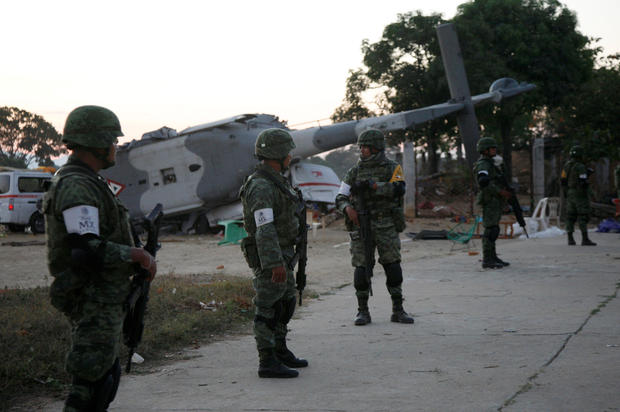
(270,206)
(575,180)
(492,198)
(90,254)
(617,179)
(377,182)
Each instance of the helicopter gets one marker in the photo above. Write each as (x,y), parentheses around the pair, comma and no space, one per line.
(196,173)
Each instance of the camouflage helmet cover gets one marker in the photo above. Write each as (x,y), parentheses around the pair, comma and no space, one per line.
(92,126)
(372,138)
(274,144)
(485,143)
(576,152)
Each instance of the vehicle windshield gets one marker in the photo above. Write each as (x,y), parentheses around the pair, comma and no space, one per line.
(5,183)
(31,184)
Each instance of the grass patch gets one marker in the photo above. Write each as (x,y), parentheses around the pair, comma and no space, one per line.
(35,337)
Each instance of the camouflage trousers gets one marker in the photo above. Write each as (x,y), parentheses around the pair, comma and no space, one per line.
(491,215)
(270,323)
(577,210)
(386,242)
(95,343)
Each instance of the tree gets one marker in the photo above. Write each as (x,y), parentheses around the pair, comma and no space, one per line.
(591,117)
(25,137)
(404,67)
(529,40)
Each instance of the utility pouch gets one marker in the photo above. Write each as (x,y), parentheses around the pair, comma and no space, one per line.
(398,216)
(65,291)
(250,252)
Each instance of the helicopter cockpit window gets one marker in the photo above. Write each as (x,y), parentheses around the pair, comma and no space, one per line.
(168,176)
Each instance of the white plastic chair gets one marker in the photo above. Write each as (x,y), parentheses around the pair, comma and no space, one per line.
(546,209)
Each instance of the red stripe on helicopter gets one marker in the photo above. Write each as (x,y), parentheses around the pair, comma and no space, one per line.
(318,184)
(22,196)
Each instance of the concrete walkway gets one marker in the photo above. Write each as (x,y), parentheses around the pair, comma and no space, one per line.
(540,335)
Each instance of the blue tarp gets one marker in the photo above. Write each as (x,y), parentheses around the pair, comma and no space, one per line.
(608,225)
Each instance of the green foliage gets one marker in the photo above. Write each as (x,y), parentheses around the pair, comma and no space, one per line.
(25,137)
(404,66)
(35,337)
(592,116)
(529,40)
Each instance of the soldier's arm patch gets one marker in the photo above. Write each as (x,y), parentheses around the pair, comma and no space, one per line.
(345,189)
(397,176)
(82,219)
(263,216)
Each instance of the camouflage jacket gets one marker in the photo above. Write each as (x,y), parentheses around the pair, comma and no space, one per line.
(73,185)
(269,216)
(576,175)
(490,193)
(386,202)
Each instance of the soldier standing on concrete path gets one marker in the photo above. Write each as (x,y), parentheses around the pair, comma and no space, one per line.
(269,215)
(90,255)
(575,181)
(492,198)
(380,181)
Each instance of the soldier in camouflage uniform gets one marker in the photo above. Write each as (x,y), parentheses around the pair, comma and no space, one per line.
(269,215)
(575,180)
(492,198)
(90,255)
(380,181)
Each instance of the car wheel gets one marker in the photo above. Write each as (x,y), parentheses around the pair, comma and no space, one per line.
(37,223)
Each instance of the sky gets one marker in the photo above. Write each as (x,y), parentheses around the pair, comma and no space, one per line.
(183,63)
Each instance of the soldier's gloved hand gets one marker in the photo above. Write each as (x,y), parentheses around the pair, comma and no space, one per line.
(505,194)
(146,261)
(352,213)
(278,274)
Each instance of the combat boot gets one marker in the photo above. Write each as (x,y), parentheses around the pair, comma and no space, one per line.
(491,264)
(398,313)
(571,239)
(585,241)
(363,314)
(363,317)
(501,262)
(270,367)
(287,357)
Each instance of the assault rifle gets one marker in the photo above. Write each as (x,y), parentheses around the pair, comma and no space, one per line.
(301,247)
(363,215)
(133,325)
(514,205)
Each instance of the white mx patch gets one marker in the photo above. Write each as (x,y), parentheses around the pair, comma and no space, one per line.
(82,219)
(263,216)
(345,189)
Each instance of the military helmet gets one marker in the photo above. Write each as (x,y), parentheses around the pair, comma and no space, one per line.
(274,144)
(91,126)
(576,152)
(485,143)
(372,138)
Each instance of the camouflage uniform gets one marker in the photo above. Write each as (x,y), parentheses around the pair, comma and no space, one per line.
(617,179)
(269,216)
(575,178)
(385,204)
(91,279)
(489,178)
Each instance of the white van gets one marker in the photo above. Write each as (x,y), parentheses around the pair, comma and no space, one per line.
(20,190)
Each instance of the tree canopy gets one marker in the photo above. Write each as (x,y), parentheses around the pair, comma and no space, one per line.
(591,117)
(26,137)
(529,40)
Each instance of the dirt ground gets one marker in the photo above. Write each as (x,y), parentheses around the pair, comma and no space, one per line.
(22,256)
